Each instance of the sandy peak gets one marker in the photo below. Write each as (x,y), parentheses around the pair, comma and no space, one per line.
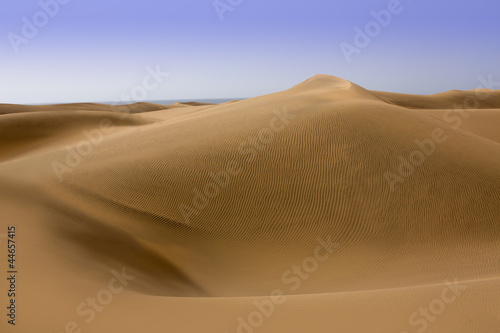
(327,80)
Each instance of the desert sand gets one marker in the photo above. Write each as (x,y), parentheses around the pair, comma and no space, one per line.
(323,208)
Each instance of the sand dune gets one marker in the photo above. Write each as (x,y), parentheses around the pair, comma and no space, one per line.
(360,207)
(130,108)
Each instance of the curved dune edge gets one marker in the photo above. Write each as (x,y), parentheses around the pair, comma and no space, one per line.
(310,211)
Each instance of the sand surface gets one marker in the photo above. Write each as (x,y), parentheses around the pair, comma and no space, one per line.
(323,208)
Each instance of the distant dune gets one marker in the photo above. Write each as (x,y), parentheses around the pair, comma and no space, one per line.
(323,208)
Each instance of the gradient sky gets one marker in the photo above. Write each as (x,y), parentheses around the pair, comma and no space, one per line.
(98,50)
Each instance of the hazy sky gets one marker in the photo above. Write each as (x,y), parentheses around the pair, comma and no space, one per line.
(99,50)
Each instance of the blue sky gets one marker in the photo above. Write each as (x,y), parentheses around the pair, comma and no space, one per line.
(99,50)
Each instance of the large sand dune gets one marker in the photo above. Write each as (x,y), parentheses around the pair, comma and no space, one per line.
(369,211)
